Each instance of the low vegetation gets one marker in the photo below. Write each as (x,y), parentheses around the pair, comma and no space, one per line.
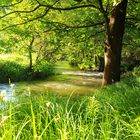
(16,68)
(111,113)
(38,34)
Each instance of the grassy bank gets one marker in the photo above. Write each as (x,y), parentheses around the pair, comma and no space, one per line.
(112,113)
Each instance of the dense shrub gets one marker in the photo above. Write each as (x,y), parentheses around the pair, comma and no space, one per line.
(42,69)
(12,70)
(136,71)
(18,72)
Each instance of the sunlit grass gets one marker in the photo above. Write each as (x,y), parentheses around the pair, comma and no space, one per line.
(62,66)
(111,113)
(17,58)
(14,57)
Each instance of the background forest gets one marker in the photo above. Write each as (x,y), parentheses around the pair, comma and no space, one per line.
(40,40)
(44,32)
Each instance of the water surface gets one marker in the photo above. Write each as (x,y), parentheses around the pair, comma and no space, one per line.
(66,83)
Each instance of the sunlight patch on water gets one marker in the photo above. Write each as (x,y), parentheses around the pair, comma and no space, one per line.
(75,85)
(81,73)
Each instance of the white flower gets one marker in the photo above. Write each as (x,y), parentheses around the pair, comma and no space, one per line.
(5,99)
(3,95)
(12,85)
(48,104)
(57,118)
(3,119)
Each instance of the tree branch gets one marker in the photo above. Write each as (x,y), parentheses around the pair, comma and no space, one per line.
(101,6)
(10,13)
(4,6)
(70,8)
(48,7)
(105,14)
(22,23)
(65,26)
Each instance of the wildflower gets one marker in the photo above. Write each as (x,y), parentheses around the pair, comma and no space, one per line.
(3,95)
(57,118)
(3,119)
(48,104)
(93,104)
(93,98)
(12,85)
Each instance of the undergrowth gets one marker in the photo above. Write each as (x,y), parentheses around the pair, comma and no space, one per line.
(111,113)
(17,69)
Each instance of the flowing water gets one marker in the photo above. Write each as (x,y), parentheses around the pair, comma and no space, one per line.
(65,83)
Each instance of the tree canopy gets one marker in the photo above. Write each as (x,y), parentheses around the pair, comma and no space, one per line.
(71,30)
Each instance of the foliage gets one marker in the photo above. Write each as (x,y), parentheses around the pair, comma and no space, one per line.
(16,68)
(64,24)
(42,69)
(72,30)
(12,70)
(136,71)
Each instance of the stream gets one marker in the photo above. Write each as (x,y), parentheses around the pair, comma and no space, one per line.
(65,83)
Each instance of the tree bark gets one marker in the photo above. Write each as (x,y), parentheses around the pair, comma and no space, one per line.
(113,45)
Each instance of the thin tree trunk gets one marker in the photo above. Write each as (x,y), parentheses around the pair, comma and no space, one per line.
(113,45)
(30,54)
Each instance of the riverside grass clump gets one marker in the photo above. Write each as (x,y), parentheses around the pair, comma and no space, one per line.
(111,113)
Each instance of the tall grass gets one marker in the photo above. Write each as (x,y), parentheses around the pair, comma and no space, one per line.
(111,113)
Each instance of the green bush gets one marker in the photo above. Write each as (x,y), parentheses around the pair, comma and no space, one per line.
(42,69)
(12,70)
(136,71)
(19,72)
(74,62)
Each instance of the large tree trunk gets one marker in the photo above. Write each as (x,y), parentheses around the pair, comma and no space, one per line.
(113,45)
